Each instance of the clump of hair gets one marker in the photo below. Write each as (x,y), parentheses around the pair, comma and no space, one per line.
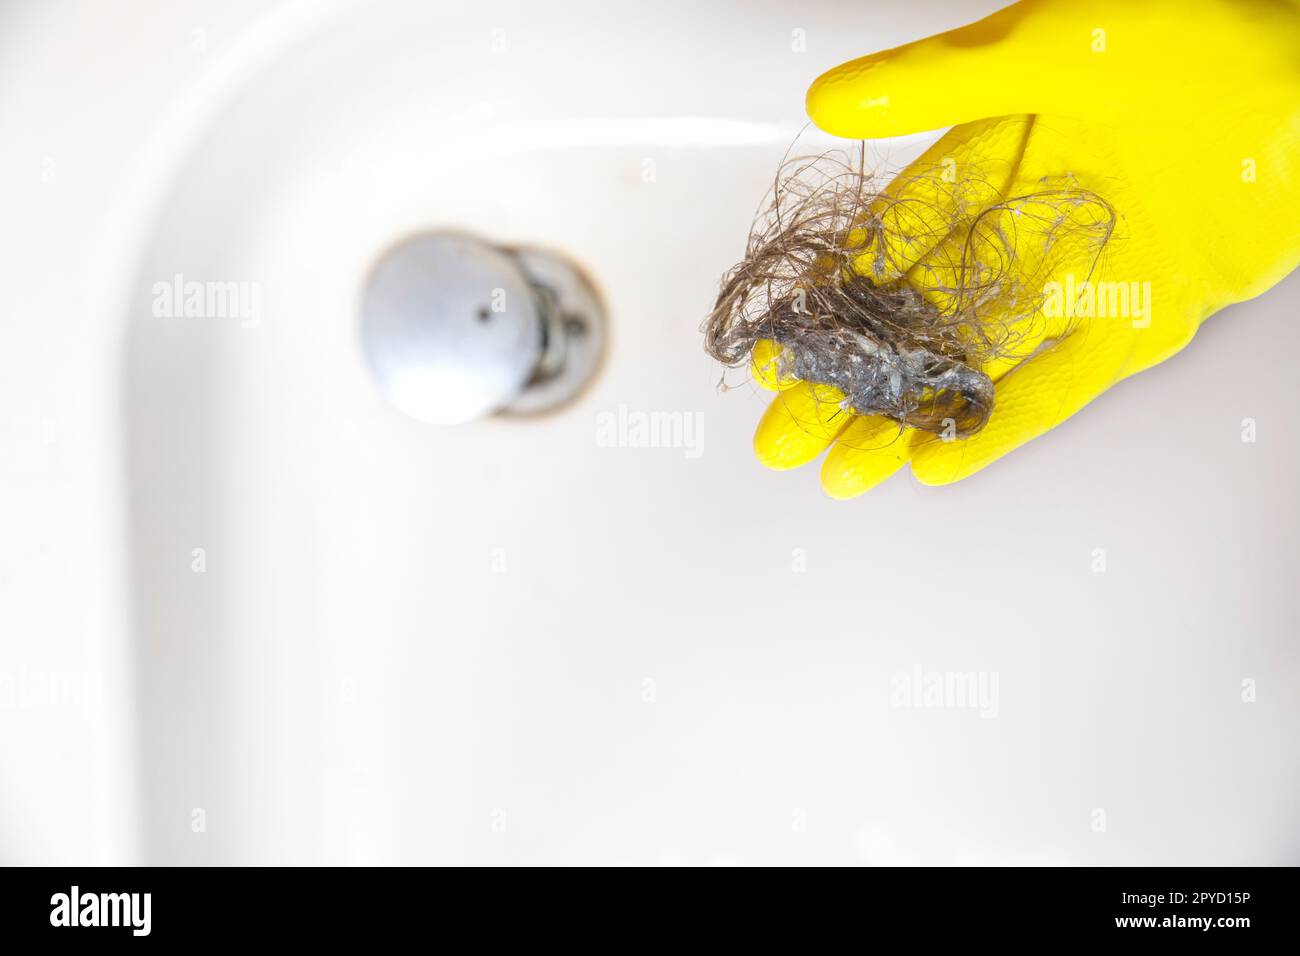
(902,298)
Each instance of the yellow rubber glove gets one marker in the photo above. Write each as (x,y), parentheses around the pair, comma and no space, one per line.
(1183,114)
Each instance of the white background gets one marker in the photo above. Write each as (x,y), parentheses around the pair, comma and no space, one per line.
(650,680)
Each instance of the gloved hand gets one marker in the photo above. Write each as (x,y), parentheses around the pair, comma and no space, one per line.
(1184,116)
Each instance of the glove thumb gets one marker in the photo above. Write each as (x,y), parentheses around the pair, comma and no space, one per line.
(966,74)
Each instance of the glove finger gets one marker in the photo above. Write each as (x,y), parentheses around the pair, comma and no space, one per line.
(965,74)
(866,452)
(799,425)
(1031,399)
(765,368)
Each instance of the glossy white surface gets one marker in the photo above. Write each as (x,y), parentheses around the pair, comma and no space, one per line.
(531,642)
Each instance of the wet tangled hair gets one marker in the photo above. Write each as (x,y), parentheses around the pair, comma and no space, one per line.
(902,296)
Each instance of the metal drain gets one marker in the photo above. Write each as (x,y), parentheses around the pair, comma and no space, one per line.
(455,328)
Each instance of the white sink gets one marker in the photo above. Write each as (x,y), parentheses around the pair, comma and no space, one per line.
(308,629)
